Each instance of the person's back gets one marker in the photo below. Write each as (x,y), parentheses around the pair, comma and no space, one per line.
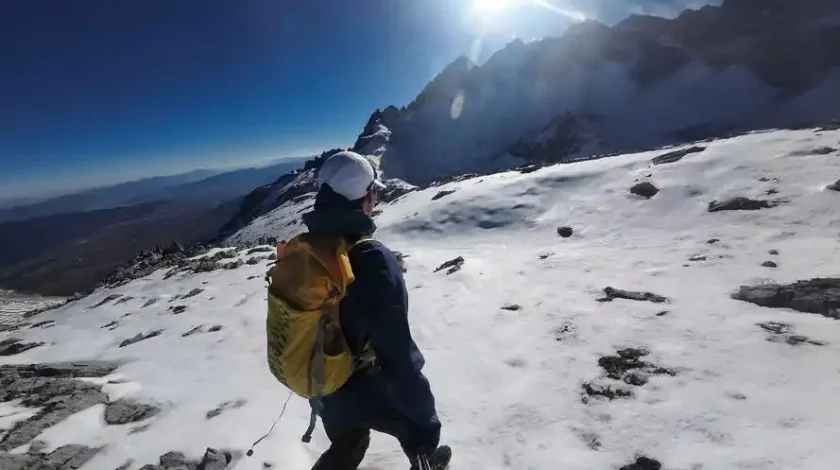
(391,394)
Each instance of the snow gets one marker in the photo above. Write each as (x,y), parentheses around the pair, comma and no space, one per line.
(508,384)
(14,304)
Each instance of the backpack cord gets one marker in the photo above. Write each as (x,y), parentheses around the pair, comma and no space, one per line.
(283,411)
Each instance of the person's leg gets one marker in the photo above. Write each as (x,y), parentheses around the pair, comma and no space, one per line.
(395,426)
(347,449)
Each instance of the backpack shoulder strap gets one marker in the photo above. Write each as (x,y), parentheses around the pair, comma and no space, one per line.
(360,241)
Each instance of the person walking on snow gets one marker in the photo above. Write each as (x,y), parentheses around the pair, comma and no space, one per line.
(390,395)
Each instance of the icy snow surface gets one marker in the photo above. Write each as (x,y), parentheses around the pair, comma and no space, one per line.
(509,383)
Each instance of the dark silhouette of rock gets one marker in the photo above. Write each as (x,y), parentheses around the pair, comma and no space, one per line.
(214,460)
(124,411)
(52,389)
(225,406)
(796,340)
(150,302)
(834,186)
(235,265)
(771,191)
(643,463)
(769,264)
(565,232)
(712,241)
(110,326)
(174,460)
(605,391)
(43,324)
(613,293)
(546,255)
(820,296)
(776,327)
(124,300)
(823,150)
(644,189)
(675,156)
(215,328)
(193,293)
(178,309)
(110,298)
(636,379)
(205,266)
(453,265)
(511,307)
(193,331)
(698,258)
(140,337)
(12,346)
(260,249)
(442,194)
(773,252)
(740,204)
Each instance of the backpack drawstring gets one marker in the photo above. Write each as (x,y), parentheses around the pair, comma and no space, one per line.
(283,411)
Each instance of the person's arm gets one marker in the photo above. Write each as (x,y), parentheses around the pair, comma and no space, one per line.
(383,289)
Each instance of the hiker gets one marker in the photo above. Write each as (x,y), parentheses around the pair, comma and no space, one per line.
(384,390)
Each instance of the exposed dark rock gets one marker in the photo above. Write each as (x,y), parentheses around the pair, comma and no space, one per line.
(193,293)
(42,324)
(225,406)
(206,267)
(152,467)
(173,460)
(68,457)
(235,265)
(771,191)
(140,337)
(564,332)
(272,257)
(675,156)
(643,463)
(796,340)
(776,327)
(663,313)
(52,389)
(260,249)
(215,328)
(123,300)
(178,309)
(644,189)
(637,379)
(770,264)
(617,367)
(834,186)
(511,307)
(150,302)
(124,411)
(12,346)
(110,298)
(712,241)
(823,150)
(546,255)
(773,252)
(256,260)
(214,460)
(128,463)
(111,326)
(605,391)
(698,258)
(565,232)
(740,204)
(442,194)
(453,265)
(193,331)
(820,296)
(613,294)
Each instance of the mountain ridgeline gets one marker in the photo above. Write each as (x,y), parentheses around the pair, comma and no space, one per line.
(645,82)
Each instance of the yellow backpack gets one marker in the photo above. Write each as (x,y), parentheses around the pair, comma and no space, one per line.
(307,351)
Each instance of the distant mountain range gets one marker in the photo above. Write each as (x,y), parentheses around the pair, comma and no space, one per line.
(645,82)
(207,186)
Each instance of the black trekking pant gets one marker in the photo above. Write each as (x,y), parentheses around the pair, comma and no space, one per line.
(348,446)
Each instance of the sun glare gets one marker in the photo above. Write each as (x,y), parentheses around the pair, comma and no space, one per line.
(491,7)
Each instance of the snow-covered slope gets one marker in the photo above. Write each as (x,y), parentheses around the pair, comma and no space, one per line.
(518,386)
(647,81)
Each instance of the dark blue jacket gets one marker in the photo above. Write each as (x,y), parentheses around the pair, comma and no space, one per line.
(375,309)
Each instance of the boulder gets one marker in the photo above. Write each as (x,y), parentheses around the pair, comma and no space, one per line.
(453,265)
(643,463)
(565,232)
(140,337)
(12,346)
(769,264)
(644,189)
(125,410)
(613,293)
(834,186)
(740,204)
(819,295)
(675,156)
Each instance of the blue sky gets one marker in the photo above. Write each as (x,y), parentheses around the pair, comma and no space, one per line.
(96,92)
